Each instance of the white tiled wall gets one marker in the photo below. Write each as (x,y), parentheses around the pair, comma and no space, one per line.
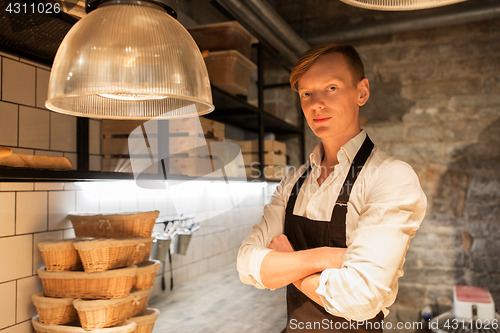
(31,213)
(8,303)
(8,134)
(18,82)
(27,127)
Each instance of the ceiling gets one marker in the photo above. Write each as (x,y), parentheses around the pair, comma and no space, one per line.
(37,36)
(313,19)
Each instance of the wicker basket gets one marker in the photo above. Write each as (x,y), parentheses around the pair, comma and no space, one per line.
(116,283)
(103,313)
(114,226)
(146,274)
(105,254)
(141,298)
(146,320)
(60,256)
(143,249)
(54,311)
(74,327)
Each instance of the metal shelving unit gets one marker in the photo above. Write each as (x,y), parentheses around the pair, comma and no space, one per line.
(229,109)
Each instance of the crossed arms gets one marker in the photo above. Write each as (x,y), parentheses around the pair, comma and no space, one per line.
(302,268)
(385,218)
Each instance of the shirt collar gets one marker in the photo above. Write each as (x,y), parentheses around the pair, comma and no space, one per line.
(350,149)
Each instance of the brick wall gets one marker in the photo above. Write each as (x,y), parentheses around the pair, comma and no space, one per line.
(435,105)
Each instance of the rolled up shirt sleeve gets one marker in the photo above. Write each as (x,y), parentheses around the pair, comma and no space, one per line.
(254,247)
(393,210)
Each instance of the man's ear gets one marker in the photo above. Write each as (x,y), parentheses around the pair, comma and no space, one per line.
(363,91)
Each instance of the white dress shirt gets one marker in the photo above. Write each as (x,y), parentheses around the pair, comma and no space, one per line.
(385,209)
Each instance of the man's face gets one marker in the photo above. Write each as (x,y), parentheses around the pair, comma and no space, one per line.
(330,98)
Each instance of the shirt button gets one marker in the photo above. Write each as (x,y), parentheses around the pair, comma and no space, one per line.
(314,202)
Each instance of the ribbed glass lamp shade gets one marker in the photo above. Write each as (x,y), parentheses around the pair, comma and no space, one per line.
(129,62)
(400,4)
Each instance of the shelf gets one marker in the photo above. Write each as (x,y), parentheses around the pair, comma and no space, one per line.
(237,112)
(229,109)
(8,174)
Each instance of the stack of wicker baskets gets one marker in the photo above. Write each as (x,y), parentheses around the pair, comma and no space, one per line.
(100,280)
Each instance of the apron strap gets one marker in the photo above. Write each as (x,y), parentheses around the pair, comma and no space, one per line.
(295,191)
(356,166)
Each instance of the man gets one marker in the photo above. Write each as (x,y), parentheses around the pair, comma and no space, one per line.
(337,229)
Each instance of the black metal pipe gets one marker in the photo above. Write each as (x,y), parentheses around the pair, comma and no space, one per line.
(82,143)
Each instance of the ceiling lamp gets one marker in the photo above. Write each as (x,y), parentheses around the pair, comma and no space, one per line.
(400,4)
(129,59)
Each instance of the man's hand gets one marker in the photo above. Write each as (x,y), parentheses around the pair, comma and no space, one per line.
(285,265)
(281,243)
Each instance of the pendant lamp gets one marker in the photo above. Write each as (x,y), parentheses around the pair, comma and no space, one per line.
(400,4)
(129,59)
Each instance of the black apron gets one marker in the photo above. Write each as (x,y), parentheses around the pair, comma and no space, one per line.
(304,234)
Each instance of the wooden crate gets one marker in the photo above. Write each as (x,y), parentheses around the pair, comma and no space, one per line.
(183,137)
(269,146)
(185,144)
(188,126)
(115,144)
(270,158)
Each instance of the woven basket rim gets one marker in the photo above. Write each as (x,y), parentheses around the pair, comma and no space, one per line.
(66,244)
(141,293)
(115,217)
(89,305)
(147,267)
(126,327)
(44,302)
(119,272)
(111,242)
(148,316)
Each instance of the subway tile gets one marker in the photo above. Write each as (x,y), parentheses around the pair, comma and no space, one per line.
(35,63)
(9,114)
(85,203)
(61,203)
(193,271)
(109,205)
(9,55)
(25,289)
(48,153)
(33,128)
(31,212)
(146,204)
(128,204)
(73,158)
(24,327)
(18,82)
(18,264)
(95,162)
(72,186)
(8,304)
(214,262)
(39,238)
(49,186)
(203,266)
(69,233)
(94,137)
(16,186)
(7,213)
(42,87)
(180,275)
(23,151)
(62,132)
